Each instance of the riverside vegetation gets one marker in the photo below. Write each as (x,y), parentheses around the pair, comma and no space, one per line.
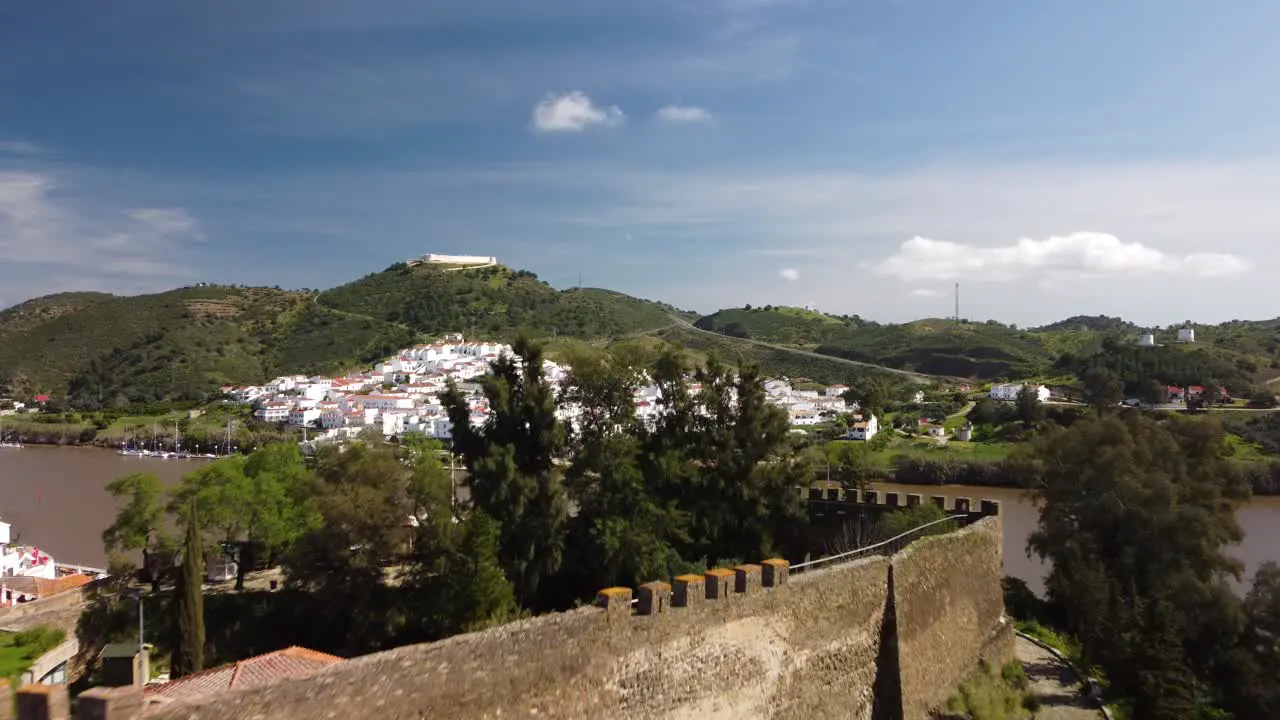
(1135,512)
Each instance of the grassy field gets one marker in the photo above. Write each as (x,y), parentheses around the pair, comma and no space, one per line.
(929,448)
(19,650)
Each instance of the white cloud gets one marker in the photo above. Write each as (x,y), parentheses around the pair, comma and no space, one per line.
(573,112)
(20,147)
(925,293)
(791,274)
(683,114)
(47,232)
(1080,254)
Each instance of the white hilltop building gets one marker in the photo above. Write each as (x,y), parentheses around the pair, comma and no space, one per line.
(1186,335)
(1147,340)
(437,259)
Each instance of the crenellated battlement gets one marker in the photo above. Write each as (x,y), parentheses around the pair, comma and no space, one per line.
(891,629)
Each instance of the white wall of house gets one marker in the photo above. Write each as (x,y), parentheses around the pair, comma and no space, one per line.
(864,430)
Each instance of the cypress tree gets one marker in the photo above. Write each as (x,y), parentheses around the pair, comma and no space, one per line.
(188,652)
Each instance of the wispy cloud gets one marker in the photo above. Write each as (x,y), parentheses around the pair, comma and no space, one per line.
(925,293)
(683,114)
(21,147)
(790,274)
(573,112)
(1081,254)
(782,252)
(47,231)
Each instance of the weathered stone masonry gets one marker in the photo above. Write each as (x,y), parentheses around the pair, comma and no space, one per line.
(773,644)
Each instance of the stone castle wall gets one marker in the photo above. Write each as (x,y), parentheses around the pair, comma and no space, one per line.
(882,637)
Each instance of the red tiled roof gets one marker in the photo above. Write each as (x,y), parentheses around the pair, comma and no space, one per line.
(253,672)
(43,587)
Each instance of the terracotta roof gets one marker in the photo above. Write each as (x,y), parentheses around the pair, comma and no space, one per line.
(268,669)
(43,587)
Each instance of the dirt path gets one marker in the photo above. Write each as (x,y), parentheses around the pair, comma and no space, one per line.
(1055,684)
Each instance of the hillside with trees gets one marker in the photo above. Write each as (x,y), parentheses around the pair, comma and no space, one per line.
(1238,354)
(494,302)
(108,351)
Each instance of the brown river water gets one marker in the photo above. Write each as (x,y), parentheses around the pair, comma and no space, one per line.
(1260,520)
(56,499)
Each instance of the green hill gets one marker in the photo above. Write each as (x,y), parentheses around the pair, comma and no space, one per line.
(936,347)
(105,350)
(494,302)
(1239,353)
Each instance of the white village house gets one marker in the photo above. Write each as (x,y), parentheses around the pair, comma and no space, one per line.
(864,429)
(1009,391)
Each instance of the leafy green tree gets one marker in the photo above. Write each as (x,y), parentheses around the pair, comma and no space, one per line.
(1263,399)
(459,583)
(1030,409)
(1153,392)
(743,500)
(364,502)
(1250,679)
(870,394)
(260,503)
(1103,389)
(625,529)
(1135,515)
(513,476)
(985,412)
(188,653)
(852,464)
(365,499)
(139,523)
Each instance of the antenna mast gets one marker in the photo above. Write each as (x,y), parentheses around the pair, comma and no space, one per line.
(957,303)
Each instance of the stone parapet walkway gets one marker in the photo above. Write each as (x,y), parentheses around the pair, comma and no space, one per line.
(1055,684)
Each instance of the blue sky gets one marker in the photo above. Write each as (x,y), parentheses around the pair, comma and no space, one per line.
(1054,157)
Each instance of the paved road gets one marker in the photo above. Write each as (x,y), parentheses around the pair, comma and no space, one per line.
(918,377)
(1054,683)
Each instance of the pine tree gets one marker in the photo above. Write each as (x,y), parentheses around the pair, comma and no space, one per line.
(513,476)
(188,652)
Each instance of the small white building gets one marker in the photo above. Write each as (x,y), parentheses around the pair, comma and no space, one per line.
(1186,335)
(381,402)
(837,390)
(864,429)
(300,416)
(274,411)
(1147,340)
(1009,392)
